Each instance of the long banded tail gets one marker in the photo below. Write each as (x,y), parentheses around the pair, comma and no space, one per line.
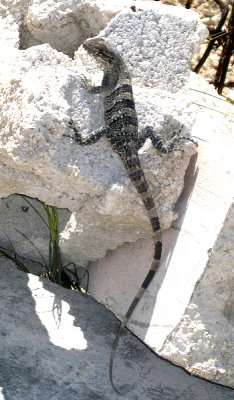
(139,181)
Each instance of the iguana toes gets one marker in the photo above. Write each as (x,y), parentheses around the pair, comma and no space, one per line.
(121,129)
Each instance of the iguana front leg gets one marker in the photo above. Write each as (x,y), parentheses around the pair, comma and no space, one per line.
(91,138)
(97,134)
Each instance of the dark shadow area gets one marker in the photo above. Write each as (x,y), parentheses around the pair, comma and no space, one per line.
(189,183)
(183,202)
(180,208)
(26,39)
(32,367)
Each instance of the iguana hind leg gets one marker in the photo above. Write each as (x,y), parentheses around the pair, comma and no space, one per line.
(175,142)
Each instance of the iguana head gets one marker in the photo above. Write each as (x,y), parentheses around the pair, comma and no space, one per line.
(98,48)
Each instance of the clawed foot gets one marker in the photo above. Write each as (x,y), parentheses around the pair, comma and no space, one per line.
(76,135)
(72,125)
(84,83)
(172,144)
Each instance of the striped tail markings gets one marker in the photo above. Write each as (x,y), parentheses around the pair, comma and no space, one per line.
(138,178)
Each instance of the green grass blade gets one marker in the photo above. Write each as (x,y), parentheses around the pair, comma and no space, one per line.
(87,285)
(208,94)
(14,259)
(216,35)
(54,268)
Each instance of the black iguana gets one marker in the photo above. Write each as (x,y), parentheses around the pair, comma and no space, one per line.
(121,129)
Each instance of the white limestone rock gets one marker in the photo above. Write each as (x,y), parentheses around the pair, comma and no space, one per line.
(203,340)
(40,91)
(9,34)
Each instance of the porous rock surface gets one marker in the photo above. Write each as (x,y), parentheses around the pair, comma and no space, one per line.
(40,91)
(210,15)
(62,24)
(204,338)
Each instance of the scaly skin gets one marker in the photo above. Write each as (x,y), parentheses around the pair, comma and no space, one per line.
(121,129)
